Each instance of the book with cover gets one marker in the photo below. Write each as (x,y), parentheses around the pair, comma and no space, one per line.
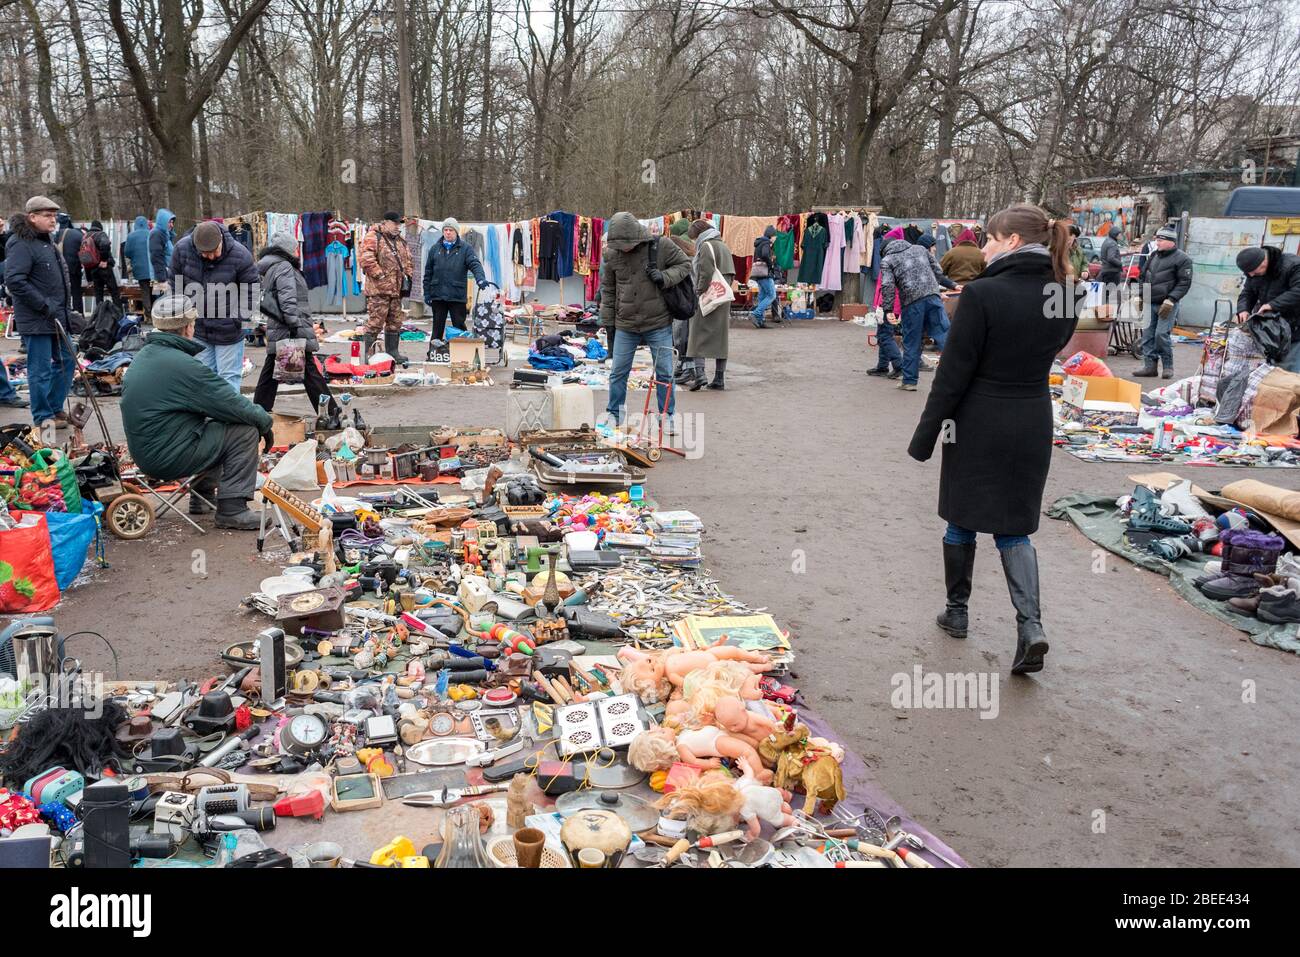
(751,632)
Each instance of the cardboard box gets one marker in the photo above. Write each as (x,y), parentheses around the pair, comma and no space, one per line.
(288,429)
(465,349)
(852,310)
(1101,400)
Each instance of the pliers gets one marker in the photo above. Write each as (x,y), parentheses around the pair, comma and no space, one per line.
(446,797)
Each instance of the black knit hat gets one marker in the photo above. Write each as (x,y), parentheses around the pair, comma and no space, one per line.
(1250,259)
(392,216)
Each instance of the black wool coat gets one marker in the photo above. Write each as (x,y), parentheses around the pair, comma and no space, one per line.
(990,405)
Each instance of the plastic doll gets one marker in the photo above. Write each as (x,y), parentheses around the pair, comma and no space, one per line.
(761,803)
(731,715)
(653,676)
(710,805)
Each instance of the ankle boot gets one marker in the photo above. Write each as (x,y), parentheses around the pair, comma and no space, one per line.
(686,372)
(1020,564)
(233,513)
(367,346)
(392,345)
(1148,370)
(958,566)
(695,381)
(197,495)
(719,374)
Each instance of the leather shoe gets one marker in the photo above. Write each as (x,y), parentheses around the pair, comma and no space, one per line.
(1278,606)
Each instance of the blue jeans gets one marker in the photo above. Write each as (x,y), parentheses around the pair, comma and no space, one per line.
(50,368)
(766,296)
(1156,343)
(936,321)
(887,344)
(660,344)
(7,391)
(226,361)
(956,535)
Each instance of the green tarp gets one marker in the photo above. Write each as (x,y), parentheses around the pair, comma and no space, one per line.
(1098,518)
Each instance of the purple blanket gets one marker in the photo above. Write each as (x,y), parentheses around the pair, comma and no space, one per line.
(315,237)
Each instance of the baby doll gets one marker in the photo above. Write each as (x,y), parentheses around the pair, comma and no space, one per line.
(761,803)
(731,715)
(710,805)
(653,676)
(659,748)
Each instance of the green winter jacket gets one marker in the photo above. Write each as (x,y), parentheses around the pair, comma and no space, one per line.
(629,301)
(175,409)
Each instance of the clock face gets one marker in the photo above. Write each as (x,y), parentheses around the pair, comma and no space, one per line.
(308,731)
(442,723)
(307,603)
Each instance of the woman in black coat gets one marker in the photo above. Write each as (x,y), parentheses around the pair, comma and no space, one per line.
(991,408)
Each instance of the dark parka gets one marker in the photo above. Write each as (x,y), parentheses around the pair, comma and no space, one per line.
(175,409)
(629,300)
(445,271)
(1111,264)
(1279,287)
(991,389)
(1169,274)
(36,276)
(161,246)
(285,287)
(227,287)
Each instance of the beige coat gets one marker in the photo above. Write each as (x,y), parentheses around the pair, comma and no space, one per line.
(708,336)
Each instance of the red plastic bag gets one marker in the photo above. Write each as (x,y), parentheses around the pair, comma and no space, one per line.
(1085,363)
(27,581)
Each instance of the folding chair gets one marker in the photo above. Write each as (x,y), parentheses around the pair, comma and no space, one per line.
(168,498)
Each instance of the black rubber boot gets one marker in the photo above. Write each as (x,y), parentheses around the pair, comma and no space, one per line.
(696,381)
(392,345)
(197,506)
(686,373)
(1148,370)
(233,513)
(719,374)
(367,346)
(1020,564)
(958,567)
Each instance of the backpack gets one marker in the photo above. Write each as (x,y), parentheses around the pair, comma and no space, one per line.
(681,299)
(100,335)
(89,252)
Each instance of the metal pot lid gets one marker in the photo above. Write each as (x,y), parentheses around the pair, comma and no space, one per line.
(601,773)
(636,812)
(443,752)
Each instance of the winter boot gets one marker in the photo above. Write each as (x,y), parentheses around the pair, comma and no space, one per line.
(685,372)
(367,346)
(233,513)
(1148,370)
(198,493)
(958,566)
(719,374)
(696,381)
(1020,564)
(392,345)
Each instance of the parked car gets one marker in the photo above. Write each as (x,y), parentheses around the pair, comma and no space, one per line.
(1091,246)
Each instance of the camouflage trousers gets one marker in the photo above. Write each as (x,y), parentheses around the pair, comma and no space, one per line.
(383,314)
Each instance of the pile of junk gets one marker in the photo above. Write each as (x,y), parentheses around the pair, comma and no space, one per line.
(530,670)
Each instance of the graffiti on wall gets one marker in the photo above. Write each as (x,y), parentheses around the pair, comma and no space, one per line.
(1095,215)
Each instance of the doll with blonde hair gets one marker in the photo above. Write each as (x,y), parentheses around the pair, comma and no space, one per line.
(653,676)
(709,804)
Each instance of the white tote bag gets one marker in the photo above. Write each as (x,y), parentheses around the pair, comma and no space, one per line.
(717,293)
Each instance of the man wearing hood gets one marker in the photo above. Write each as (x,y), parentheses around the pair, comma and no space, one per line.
(36,275)
(910,273)
(445,286)
(1272,286)
(632,302)
(161,246)
(385,259)
(1111,268)
(68,241)
(218,274)
(136,250)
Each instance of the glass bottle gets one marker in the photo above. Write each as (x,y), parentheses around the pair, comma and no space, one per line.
(462,845)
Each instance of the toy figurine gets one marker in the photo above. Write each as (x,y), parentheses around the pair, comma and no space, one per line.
(733,717)
(652,676)
(810,763)
(761,803)
(709,805)
(659,748)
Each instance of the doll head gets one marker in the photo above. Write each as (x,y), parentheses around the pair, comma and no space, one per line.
(722,679)
(710,804)
(645,678)
(653,750)
(730,714)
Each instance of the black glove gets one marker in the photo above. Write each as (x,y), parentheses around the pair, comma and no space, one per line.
(656,275)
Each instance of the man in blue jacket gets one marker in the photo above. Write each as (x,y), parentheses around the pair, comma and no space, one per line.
(136,248)
(219,275)
(36,275)
(160,249)
(445,269)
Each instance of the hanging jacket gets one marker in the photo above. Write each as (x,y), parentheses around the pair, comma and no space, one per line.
(36,276)
(175,409)
(161,246)
(137,250)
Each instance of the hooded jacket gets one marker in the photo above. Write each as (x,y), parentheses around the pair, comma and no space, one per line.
(629,299)
(284,285)
(1169,273)
(1110,257)
(964,261)
(446,267)
(911,271)
(161,246)
(69,242)
(226,289)
(36,276)
(385,260)
(175,409)
(1279,287)
(136,248)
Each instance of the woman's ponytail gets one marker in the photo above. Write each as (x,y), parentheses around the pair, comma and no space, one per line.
(1058,244)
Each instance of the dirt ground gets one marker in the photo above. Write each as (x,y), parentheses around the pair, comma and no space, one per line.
(1132,747)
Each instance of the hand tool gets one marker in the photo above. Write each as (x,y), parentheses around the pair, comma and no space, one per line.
(446,797)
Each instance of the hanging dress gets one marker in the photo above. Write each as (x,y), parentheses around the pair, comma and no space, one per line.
(815,241)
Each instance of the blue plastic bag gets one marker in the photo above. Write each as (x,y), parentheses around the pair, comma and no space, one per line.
(70,536)
(595,350)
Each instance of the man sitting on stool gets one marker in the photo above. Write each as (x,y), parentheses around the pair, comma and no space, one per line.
(181,418)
